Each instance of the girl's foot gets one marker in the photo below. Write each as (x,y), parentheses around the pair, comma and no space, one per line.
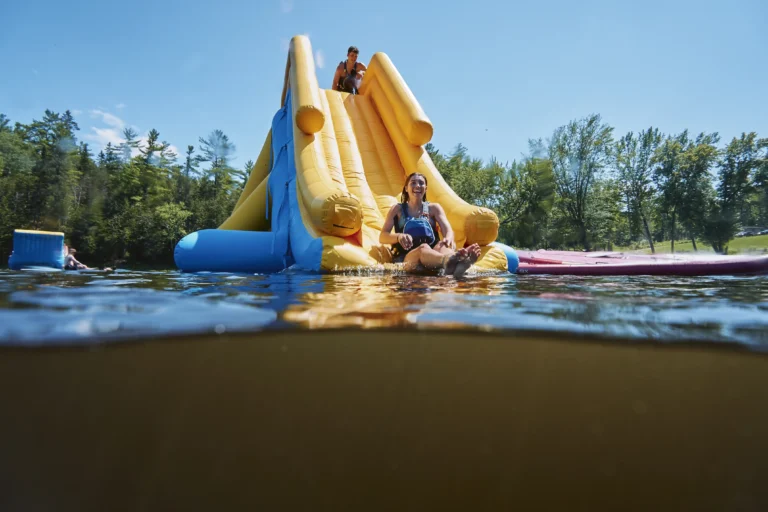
(460,261)
(468,258)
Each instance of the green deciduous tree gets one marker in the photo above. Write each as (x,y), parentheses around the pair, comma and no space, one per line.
(737,169)
(738,166)
(634,172)
(698,193)
(760,181)
(682,174)
(528,194)
(580,151)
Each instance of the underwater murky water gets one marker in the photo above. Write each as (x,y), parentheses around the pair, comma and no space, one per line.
(52,307)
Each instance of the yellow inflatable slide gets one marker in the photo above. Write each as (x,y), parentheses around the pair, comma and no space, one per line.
(331,167)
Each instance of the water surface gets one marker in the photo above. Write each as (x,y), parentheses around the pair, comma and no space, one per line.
(47,307)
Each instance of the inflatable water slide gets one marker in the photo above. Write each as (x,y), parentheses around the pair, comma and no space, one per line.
(331,167)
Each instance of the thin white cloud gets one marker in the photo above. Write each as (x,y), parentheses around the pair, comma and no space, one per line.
(108,119)
(112,133)
(320,59)
(76,112)
(100,137)
(286,6)
(120,106)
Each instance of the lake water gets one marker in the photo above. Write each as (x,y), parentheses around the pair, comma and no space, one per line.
(48,307)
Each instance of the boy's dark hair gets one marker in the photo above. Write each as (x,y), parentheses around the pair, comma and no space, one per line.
(352,49)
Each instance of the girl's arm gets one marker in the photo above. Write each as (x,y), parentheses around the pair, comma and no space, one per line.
(445,226)
(386,236)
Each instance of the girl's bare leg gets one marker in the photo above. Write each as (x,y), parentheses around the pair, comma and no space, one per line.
(455,263)
(424,255)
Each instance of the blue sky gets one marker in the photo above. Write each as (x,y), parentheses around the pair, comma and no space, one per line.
(489,74)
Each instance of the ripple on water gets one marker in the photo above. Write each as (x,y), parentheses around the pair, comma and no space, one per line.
(51,314)
(43,307)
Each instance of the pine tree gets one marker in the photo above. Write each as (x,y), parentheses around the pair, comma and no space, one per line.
(130,144)
(216,149)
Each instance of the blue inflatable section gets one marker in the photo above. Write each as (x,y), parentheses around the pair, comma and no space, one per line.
(288,242)
(306,250)
(513,260)
(218,250)
(37,249)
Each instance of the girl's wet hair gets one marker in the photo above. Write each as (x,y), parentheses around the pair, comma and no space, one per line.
(404,195)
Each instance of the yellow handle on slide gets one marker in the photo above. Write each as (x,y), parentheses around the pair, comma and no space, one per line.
(307,109)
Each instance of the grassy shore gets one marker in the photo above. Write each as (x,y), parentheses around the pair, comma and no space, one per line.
(747,244)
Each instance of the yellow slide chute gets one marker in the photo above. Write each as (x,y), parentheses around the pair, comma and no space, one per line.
(352,154)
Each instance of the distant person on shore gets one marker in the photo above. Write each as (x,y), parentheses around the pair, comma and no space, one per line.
(349,73)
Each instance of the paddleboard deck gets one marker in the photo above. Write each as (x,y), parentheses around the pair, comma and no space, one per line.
(625,264)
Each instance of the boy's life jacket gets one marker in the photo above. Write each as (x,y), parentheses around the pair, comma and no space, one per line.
(348,81)
(420,228)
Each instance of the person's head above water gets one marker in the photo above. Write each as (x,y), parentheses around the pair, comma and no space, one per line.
(415,183)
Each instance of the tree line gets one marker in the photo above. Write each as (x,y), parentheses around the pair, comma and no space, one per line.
(581,188)
(585,188)
(131,202)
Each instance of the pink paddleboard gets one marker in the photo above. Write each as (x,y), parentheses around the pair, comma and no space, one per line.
(624,264)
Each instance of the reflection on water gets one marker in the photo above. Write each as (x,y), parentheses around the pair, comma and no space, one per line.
(57,306)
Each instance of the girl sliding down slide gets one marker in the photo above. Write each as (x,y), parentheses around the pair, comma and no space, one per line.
(415,241)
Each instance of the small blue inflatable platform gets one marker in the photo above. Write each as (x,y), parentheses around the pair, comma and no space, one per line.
(37,249)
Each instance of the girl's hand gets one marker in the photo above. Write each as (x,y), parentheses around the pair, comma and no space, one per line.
(405,240)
